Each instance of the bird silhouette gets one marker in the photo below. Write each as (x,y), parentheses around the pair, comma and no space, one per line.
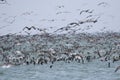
(29,28)
(81,22)
(33,27)
(86,11)
(102,3)
(39,29)
(51,66)
(44,30)
(27,33)
(61,6)
(59,29)
(73,23)
(117,68)
(89,16)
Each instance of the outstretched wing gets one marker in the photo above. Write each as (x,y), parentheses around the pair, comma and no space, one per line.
(117,68)
(25,27)
(33,27)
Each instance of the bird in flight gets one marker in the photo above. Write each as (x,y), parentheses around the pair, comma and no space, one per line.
(29,28)
(117,68)
(102,3)
(86,11)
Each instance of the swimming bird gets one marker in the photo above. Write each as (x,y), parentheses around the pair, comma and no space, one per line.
(51,66)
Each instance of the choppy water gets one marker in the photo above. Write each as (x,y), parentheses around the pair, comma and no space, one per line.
(61,71)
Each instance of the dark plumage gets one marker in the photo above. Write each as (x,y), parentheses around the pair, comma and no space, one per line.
(86,11)
(39,29)
(51,66)
(2,0)
(117,68)
(29,28)
(59,29)
(73,23)
(94,21)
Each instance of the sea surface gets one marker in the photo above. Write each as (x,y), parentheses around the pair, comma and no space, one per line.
(94,70)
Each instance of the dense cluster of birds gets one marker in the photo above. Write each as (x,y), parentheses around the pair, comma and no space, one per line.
(13,50)
(51,48)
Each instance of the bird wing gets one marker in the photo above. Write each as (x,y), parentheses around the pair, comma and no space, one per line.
(33,27)
(117,68)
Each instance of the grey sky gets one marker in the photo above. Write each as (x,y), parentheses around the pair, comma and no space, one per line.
(53,14)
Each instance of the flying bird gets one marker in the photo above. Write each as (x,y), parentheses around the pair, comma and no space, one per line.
(29,28)
(39,29)
(89,16)
(102,3)
(74,23)
(27,33)
(117,68)
(86,11)
(59,29)
(33,27)
(62,6)
(81,22)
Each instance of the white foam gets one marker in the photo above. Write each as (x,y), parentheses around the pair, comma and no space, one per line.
(6,66)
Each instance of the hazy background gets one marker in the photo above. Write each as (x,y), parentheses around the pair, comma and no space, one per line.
(54,14)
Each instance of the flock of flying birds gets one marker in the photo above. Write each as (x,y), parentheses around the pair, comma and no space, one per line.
(70,25)
(74,24)
(77,24)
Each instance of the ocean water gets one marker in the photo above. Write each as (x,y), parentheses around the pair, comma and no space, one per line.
(61,71)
